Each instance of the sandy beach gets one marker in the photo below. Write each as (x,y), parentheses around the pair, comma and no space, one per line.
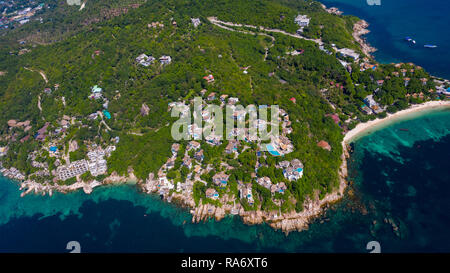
(364,128)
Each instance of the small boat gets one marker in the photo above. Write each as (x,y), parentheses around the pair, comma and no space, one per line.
(234,211)
(430,46)
(405,130)
(409,39)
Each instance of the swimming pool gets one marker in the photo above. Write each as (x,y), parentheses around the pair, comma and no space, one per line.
(272,150)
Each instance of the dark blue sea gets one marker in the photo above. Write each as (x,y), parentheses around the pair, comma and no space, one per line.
(400,180)
(427,22)
(399,197)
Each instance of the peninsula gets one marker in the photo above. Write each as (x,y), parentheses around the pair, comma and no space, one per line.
(94,103)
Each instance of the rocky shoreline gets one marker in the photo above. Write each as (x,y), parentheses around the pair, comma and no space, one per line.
(33,187)
(286,222)
(360,29)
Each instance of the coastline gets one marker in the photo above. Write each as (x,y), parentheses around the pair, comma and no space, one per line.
(364,128)
(286,222)
(360,29)
(293,221)
(31,186)
(299,221)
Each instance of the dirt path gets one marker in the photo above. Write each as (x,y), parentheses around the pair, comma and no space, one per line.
(221,24)
(106,125)
(43,76)
(39,103)
(103,121)
(83,5)
(46,81)
(40,72)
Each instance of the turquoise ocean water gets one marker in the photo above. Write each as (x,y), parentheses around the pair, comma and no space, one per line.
(400,182)
(399,178)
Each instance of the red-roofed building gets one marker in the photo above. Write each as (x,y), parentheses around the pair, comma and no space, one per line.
(324,145)
(209,78)
(334,117)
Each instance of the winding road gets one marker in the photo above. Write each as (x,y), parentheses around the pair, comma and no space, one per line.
(227,25)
